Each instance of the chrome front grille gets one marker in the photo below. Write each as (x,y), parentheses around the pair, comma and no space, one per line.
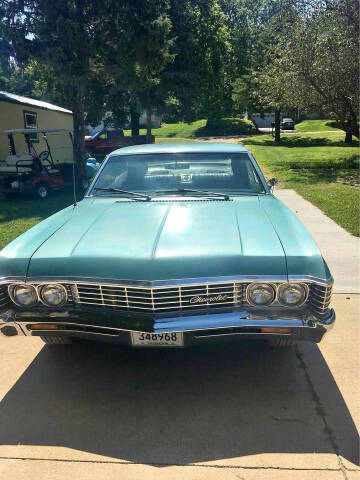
(4,296)
(160,298)
(319,297)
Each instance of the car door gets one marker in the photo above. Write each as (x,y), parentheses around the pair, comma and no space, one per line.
(101,143)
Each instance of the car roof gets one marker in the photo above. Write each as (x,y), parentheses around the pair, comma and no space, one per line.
(198,147)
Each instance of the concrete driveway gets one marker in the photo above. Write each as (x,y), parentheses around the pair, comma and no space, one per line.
(239,412)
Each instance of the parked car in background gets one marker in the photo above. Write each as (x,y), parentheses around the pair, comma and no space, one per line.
(287,124)
(105,141)
(173,245)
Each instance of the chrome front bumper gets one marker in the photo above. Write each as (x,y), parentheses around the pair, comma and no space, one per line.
(235,325)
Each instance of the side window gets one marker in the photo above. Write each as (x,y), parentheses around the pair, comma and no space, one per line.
(30,121)
(254,179)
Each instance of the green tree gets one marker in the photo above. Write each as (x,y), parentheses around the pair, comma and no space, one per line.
(315,63)
(134,66)
(199,79)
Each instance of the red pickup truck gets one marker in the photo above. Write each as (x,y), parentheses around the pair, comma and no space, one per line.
(106,141)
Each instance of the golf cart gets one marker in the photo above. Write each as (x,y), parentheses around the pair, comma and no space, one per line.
(39,173)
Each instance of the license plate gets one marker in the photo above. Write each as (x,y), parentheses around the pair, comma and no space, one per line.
(144,339)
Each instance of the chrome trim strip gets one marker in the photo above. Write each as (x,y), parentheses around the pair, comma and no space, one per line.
(237,323)
(310,279)
(172,282)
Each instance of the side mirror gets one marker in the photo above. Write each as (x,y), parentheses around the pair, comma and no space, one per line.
(272,184)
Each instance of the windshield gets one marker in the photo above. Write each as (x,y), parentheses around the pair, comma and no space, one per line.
(176,173)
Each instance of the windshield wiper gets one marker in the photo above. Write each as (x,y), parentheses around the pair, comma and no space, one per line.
(205,193)
(135,195)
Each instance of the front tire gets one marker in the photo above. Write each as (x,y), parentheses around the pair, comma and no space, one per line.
(281,343)
(57,340)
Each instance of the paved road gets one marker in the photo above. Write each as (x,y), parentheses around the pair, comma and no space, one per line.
(239,412)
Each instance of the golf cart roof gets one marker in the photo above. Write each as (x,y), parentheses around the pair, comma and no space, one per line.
(37,130)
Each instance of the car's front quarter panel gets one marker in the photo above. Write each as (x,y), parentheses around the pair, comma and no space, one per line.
(303,256)
(15,257)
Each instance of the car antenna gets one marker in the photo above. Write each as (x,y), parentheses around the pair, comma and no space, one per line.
(73,170)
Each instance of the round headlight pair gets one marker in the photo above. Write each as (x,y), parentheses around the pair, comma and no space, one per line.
(264,294)
(52,295)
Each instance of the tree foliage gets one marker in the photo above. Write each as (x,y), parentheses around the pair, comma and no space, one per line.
(189,58)
(315,63)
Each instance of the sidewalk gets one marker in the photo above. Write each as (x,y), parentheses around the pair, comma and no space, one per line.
(341,250)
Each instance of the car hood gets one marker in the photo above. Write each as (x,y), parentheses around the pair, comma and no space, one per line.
(162,240)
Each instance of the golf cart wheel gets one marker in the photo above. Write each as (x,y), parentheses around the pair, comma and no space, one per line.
(57,340)
(84,183)
(41,191)
(281,342)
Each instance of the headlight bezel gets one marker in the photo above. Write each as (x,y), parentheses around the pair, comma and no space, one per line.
(257,284)
(276,301)
(305,288)
(12,294)
(45,302)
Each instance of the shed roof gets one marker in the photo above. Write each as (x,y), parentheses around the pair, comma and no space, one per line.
(12,98)
(36,130)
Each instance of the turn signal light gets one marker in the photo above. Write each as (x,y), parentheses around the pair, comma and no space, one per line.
(275,330)
(43,326)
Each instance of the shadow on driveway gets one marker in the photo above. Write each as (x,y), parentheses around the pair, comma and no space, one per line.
(173,406)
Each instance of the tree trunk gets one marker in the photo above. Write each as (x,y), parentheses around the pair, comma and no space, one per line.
(148,125)
(277,125)
(135,123)
(77,99)
(348,135)
(354,125)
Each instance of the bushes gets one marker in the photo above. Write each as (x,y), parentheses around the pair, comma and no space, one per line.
(229,126)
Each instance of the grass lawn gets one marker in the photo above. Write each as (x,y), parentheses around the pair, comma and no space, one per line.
(174,140)
(174,130)
(226,126)
(19,214)
(317,126)
(316,166)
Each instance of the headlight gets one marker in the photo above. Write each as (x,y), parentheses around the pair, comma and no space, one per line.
(23,295)
(260,294)
(292,295)
(53,295)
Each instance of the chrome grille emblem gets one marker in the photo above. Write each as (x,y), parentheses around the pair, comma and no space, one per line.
(216,298)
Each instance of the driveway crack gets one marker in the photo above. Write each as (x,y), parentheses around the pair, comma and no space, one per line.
(321,410)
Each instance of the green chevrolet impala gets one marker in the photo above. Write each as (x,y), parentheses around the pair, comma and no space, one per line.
(173,245)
